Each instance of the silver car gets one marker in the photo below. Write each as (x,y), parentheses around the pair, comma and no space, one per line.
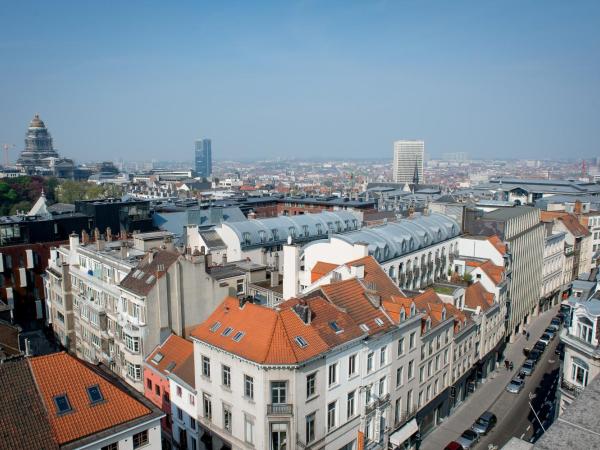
(468,439)
(515,386)
(527,367)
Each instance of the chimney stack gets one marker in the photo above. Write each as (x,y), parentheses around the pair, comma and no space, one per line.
(123,249)
(109,236)
(73,241)
(303,311)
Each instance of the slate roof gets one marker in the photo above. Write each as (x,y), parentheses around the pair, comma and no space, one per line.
(24,423)
(212,240)
(142,278)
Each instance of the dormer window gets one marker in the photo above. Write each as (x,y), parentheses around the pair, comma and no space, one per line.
(275,233)
(62,404)
(262,236)
(246,238)
(402,315)
(413,310)
(443,314)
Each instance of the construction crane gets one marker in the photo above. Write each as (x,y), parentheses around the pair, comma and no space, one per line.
(6,148)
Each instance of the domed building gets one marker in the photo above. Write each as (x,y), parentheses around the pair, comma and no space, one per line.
(39,156)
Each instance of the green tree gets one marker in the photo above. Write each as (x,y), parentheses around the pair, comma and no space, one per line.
(23,205)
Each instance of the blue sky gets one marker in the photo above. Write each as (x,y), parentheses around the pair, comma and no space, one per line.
(142,80)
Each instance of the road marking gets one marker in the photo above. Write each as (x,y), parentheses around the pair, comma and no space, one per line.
(528,428)
(523,435)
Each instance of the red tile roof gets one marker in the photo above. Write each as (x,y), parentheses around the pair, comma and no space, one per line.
(569,220)
(375,274)
(496,242)
(477,296)
(60,373)
(320,270)
(174,350)
(489,268)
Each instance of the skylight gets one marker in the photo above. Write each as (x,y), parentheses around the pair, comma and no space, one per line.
(215,327)
(94,394)
(171,366)
(301,341)
(62,403)
(157,358)
(364,327)
(335,327)
(227,331)
(378,321)
(150,279)
(238,336)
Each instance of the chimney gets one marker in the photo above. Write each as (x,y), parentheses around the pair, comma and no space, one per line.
(27,347)
(85,237)
(291,271)
(251,215)
(577,207)
(109,236)
(358,271)
(224,258)
(123,249)
(73,241)
(100,243)
(303,311)
(96,234)
(208,261)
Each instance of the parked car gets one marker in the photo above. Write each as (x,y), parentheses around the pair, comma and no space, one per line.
(468,439)
(551,332)
(561,316)
(485,423)
(535,355)
(528,366)
(555,323)
(515,386)
(454,446)
(540,346)
(546,338)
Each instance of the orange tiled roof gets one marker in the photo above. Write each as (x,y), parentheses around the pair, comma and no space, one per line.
(476,295)
(569,220)
(320,270)
(174,349)
(493,271)
(270,334)
(60,373)
(375,274)
(395,304)
(429,303)
(496,242)
(353,297)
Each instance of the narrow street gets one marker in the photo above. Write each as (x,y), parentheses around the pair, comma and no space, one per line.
(515,417)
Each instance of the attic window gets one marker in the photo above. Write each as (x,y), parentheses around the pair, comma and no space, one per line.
(137,273)
(94,394)
(301,342)
(378,321)
(171,366)
(364,327)
(402,314)
(157,358)
(238,336)
(444,314)
(227,331)
(335,327)
(150,279)
(215,327)
(62,403)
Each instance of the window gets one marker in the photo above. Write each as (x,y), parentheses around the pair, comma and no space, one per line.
(215,326)
(238,336)
(381,390)
(179,413)
(428,393)
(331,415)
(206,366)
(446,353)
(248,429)
(409,400)
(310,427)
(585,329)
(278,392)
(301,342)
(157,389)
(399,376)
(351,365)
(113,446)
(311,381)
(579,372)
(411,369)
(140,439)
(332,374)
(94,394)
(370,362)
(192,423)
(226,376)
(62,404)
(383,355)
(378,321)
(400,346)
(397,409)
(412,339)
(421,374)
(429,366)
(227,419)
(134,371)
(149,383)
(278,436)
(178,391)
(191,399)
(207,407)
(227,331)
(194,443)
(437,362)
(248,387)
(351,404)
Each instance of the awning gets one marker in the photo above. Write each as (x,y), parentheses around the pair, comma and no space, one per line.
(407,430)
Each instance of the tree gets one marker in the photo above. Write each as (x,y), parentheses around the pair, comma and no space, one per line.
(23,205)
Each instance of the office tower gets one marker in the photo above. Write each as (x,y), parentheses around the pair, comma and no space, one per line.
(408,161)
(203,158)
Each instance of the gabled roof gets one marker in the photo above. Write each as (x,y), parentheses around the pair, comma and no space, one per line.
(142,278)
(61,374)
(362,304)
(497,242)
(185,371)
(494,272)
(477,296)
(321,269)
(375,274)
(269,335)
(24,423)
(570,222)
(170,354)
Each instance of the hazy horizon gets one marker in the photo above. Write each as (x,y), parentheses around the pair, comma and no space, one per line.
(303,79)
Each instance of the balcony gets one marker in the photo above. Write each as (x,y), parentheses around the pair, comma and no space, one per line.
(279,409)
(570,388)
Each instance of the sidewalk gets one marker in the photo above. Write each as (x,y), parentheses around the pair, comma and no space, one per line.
(487,393)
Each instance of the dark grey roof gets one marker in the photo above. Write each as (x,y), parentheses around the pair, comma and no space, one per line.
(212,240)
(577,427)
(508,213)
(227,271)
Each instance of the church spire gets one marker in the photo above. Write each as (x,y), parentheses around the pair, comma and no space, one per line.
(416,174)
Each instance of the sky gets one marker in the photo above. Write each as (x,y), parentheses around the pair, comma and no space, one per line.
(331,79)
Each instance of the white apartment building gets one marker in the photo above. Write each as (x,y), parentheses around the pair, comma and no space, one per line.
(553,269)
(120,299)
(580,336)
(408,161)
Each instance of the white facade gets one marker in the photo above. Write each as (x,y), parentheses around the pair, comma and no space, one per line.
(408,155)
(554,265)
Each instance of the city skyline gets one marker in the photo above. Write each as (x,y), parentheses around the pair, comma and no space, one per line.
(241,75)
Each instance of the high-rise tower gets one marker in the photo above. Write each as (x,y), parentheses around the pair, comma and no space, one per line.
(203,158)
(408,161)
